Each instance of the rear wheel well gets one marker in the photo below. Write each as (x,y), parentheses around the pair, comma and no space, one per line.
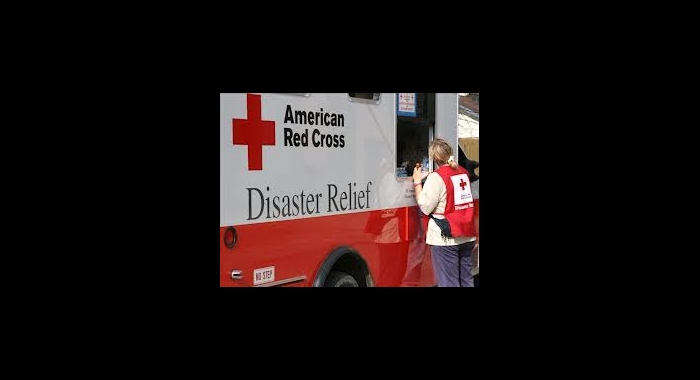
(344,259)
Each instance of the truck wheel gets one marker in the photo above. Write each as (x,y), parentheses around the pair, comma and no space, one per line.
(337,279)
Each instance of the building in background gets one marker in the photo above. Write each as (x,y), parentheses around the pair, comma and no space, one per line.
(468,120)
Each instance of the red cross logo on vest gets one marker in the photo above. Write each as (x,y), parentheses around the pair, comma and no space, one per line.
(462,184)
(254,132)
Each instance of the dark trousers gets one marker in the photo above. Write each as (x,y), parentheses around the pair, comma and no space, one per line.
(453,264)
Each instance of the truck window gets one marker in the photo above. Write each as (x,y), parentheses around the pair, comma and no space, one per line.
(413,134)
(365,95)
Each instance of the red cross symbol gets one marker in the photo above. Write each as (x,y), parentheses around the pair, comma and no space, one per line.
(462,183)
(254,132)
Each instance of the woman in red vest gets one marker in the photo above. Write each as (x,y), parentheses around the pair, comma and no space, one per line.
(447,195)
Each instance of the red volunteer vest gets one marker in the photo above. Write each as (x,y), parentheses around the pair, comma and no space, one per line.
(459,210)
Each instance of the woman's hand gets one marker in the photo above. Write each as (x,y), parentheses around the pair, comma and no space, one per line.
(417,174)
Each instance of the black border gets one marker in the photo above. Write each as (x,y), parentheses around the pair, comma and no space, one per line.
(164,157)
(176,182)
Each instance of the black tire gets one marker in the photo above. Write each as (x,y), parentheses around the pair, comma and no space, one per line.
(337,279)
